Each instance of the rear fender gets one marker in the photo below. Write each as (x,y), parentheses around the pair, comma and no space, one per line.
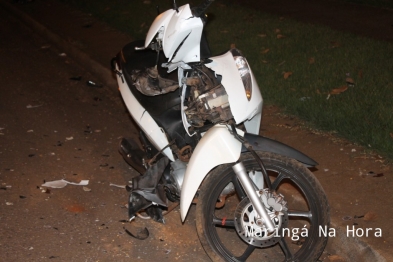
(218,146)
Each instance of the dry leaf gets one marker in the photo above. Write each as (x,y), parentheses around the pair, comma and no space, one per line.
(335,44)
(311,60)
(233,46)
(370,216)
(265,51)
(350,81)
(279,36)
(360,73)
(339,90)
(318,92)
(262,35)
(277,31)
(391,135)
(287,74)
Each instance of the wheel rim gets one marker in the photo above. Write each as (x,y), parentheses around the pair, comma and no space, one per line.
(221,222)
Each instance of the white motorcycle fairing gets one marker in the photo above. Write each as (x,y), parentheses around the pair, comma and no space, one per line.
(218,146)
(154,133)
(242,109)
(180,33)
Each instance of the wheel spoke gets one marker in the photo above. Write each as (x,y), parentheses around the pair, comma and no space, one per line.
(296,213)
(223,222)
(277,181)
(285,249)
(246,253)
(239,190)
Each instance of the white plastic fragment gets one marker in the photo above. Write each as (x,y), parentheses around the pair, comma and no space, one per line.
(115,185)
(69,138)
(30,131)
(62,183)
(9,203)
(86,189)
(353,150)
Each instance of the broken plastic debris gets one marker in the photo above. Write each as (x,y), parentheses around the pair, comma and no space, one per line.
(86,189)
(30,106)
(142,234)
(9,203)
(30,131)
(372,174)
(62,54)
(62,183)
(347,218)
(44,190)
(91,83)
(115,185)
(76,78)
(69,138)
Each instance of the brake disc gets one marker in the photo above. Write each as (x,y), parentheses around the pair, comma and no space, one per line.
(252,229)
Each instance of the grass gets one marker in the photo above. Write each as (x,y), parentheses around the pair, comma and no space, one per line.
(388,4)
(318,58)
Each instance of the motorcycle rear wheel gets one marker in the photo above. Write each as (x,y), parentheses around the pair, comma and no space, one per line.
(308,213)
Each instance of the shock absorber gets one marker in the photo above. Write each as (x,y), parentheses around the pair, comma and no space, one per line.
(255,200)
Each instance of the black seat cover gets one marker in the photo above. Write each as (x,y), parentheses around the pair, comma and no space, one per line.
(165,109)
(140,60)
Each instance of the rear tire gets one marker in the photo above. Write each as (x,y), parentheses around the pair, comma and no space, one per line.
(308,210)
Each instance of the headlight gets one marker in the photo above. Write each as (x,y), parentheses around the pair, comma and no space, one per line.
(245,74)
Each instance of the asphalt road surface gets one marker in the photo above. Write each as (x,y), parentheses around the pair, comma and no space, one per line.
(53,127)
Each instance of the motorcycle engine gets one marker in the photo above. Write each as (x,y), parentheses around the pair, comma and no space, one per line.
(206,99)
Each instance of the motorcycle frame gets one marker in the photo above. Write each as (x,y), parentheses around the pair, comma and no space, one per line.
(218,145)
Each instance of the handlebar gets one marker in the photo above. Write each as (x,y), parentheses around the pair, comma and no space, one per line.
(201,9)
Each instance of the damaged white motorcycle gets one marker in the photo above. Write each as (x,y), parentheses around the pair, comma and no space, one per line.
(199,118)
